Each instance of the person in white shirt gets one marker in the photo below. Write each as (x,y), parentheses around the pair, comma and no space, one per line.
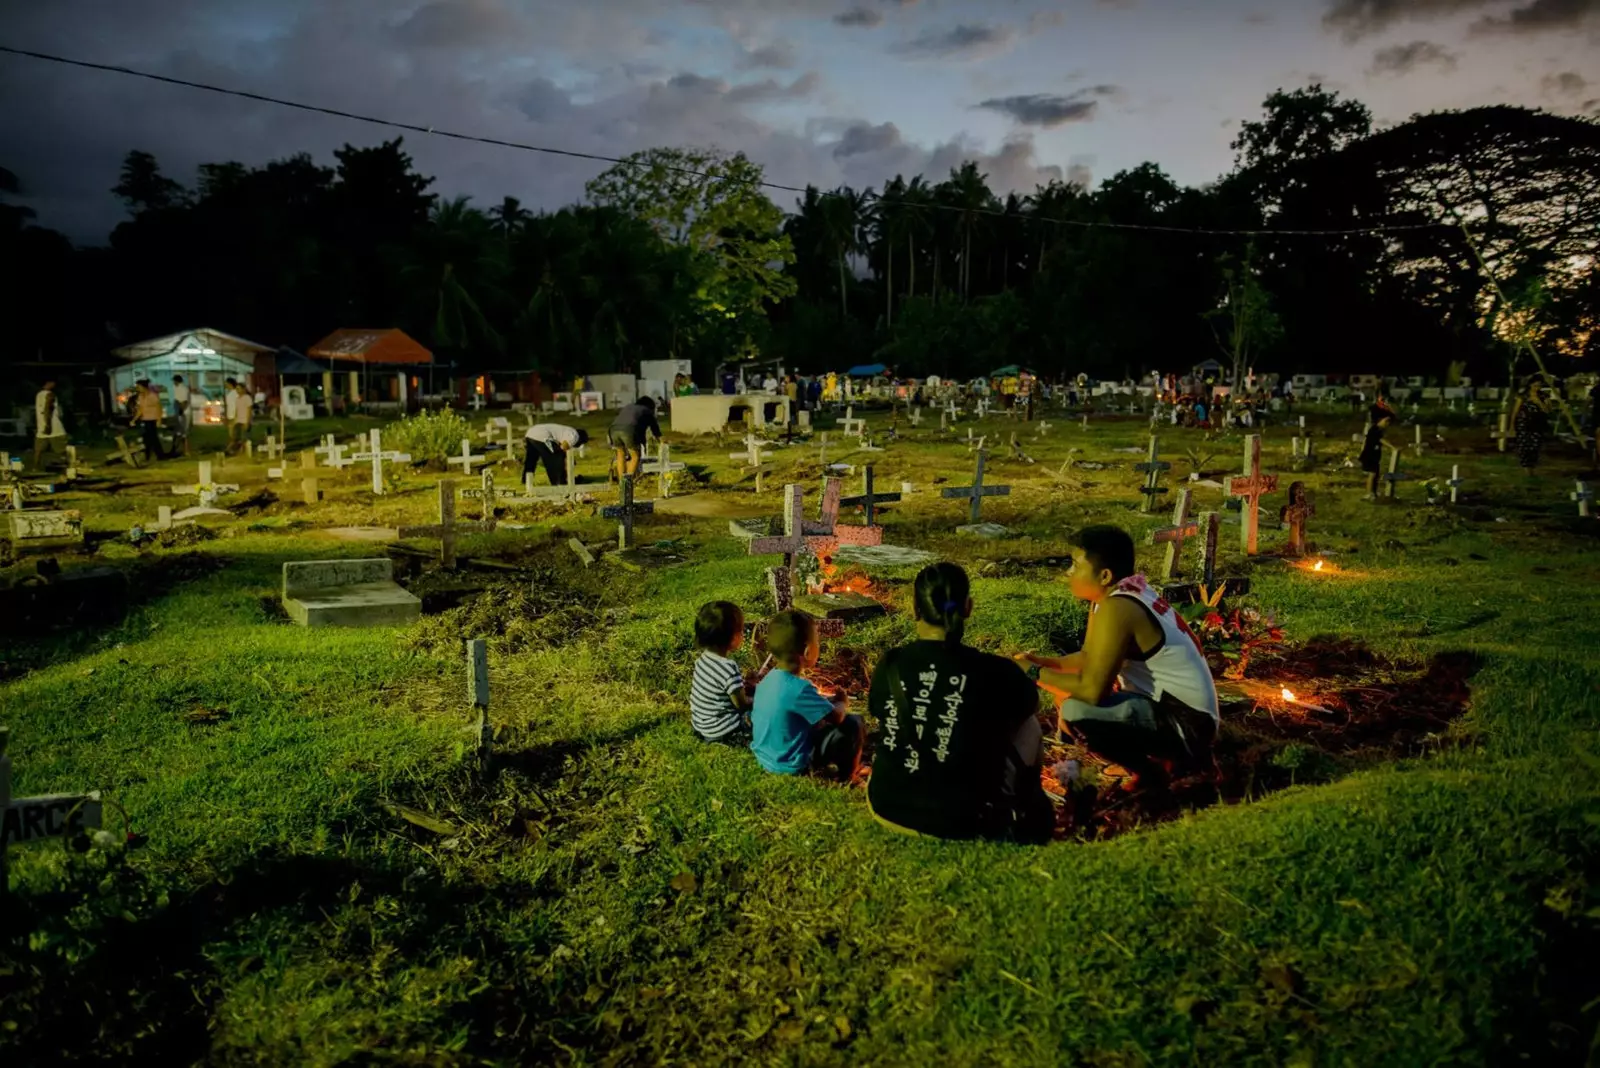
(769,385)
(184,402)
(547,444)
(1163,719)
(48,429)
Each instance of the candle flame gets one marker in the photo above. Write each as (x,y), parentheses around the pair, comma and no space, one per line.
(1318,566)
(1288,694)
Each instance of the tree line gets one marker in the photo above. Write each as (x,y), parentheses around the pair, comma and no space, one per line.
(1453,238)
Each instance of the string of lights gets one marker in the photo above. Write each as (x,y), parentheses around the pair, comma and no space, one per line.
(433,131)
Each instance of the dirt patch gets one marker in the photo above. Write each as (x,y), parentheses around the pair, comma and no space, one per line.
(1351,707)
(542,610)
(717,506)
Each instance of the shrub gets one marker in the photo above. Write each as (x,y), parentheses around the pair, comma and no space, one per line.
(430,437)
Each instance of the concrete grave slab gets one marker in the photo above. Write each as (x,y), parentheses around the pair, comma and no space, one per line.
(883,556)
(984,530)
(347,593)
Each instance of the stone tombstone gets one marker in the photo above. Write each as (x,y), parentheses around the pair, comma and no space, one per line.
(46,529)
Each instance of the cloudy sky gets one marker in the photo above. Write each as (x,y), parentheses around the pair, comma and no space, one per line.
(818,91)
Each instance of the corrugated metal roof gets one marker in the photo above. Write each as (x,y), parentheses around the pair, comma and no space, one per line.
(197,341)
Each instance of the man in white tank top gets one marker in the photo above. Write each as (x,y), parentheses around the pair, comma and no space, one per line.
(1162,716)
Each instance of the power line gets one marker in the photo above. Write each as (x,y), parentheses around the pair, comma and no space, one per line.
(687,171)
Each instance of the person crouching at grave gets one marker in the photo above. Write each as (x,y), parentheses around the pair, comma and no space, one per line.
(794,727)
(547,444)
(147,416)
(958,747)
(719,698)
(1162,717)
(1379,416)
(627,434)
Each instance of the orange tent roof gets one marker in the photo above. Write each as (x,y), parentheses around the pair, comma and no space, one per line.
(370,346)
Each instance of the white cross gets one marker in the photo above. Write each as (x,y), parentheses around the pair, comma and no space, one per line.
(466,459)
(204,488)
(1584,496)
(752,455)
(852,425)
(1455,482)
(916,416)
(1044,428)
(376,454)
(273,448)
(662,467)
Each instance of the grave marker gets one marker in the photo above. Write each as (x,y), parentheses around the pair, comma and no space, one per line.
(1152,468)
(868,499)
(31,819)
(310,492)
(1503,434)
(273,448)
(976,492)
(1295,515)
(204,488)
(1252,486)
(447,526)
(377,456)
(478,697)
(1585,497)
(45,529)
(308,460)
(662,467)
(625,511)
(916,416)
(851,424)
(1193,592)
(129,454)
(1016,450)
(1173,536)
(1043,428)
(1455,483)
(1394,476)
(466,459)
(336,456)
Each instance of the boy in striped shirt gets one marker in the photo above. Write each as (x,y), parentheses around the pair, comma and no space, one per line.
(719,699)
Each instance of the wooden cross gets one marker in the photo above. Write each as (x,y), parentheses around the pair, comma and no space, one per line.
(1182,527)
(129,454)
(1455,482)
(752,454)
(868,499)
(376,454)
(325,445)
(1252,486)
(466,459)
(1503,434)
(1394,476)
(662,467)
(30,819)
(447,527)
(975,445)
(1295,515)
(916,416)
(792,542)
(486,495)
(1085,424)
(944,420)
(1417,444)
(977,491)
(273,448)
(983,407)
(478,697)
(1584,496)
(1152,468)
(1044,427)
(625,511)
(206,490)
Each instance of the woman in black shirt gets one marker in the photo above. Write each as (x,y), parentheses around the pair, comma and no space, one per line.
(958,749)
(1379,416)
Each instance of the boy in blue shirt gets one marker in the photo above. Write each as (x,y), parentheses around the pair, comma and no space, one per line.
(794,727)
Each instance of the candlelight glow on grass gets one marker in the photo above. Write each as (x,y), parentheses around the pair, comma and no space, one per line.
(1288,695)
(1319,566)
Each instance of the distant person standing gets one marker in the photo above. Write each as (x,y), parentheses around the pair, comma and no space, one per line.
(1379,416)
(48,429)
(183,405)
(243,410)
(147,417)
(627,434)
(1530,421)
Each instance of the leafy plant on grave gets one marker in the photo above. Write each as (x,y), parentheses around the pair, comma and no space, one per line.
(1197,460)
(429,437)
(1229,639)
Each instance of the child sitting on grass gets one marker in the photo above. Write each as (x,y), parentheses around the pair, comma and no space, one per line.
(796,728)
(719,699)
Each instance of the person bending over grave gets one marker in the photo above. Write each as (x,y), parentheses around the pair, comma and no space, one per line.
(719,698)
(959,742)
(1162,717)
(628,431)
(548,444)
(1379,416)
(796,729)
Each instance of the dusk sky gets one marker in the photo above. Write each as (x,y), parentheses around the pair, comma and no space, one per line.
(817,91)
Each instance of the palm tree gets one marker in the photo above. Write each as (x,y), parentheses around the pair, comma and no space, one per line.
(509,216)
(844,221)
(916,204)
(969,195)
(459,266)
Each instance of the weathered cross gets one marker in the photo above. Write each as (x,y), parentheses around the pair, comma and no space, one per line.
(662,467)
(1584,496)
(868,499)
(466,459)
(752,454)
(487,495)
(975,446)
(29,819)
(204,488)
(1182,527)
(1085,424)
(272,449)
(851,424)
(1503,434)
(1455,483)
(1295,515)
(1252,486)
(977,491)
(1016,450)
(129,454)
(376,454)
(1044,427)
(1417,444)
(944,420)
(625,511)
(916,416)
(1394,476)
(447,527)
(1152,468)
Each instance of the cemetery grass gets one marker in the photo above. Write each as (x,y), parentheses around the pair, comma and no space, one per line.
(617,893)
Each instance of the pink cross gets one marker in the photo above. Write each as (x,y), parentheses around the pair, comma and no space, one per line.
(1252,486)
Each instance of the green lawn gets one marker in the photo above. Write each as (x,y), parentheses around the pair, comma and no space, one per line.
(617,893)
